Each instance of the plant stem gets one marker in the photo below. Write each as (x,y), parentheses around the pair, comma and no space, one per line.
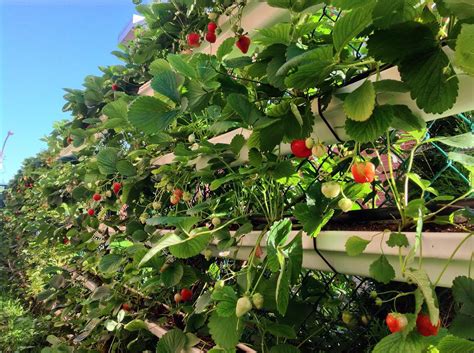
(451,257)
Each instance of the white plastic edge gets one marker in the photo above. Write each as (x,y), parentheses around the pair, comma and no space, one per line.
(437,248)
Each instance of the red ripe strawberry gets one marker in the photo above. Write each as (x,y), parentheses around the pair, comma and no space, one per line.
(396,322)
(243,44)
(363,172)
(65,240)
(186,295)
(116,187)
(424,326)
(96,197)
(126,307)
(211,27)
(178,193)
(299,149)
(211,37)
(115,87)
(194,40)
(90,212)
(69,140)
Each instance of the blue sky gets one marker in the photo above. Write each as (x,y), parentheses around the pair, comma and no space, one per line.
(46,45)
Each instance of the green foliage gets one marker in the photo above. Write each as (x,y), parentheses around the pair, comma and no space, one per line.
(172,197)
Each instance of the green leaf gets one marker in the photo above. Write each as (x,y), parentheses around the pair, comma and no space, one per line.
(462,9)
(273,66)
(116,110)
(172,275)
(459,141)
(463,293)
(110,263)
(360,103)
(381,270)
(150,115)
(255,157)
(164,242)
(278,233)
(390,86)
(349,26)
(297,6)
(311,218)
(239,62)
(202,302)
(349,4)
(405,120)
(321,53)
(166,83)
(396,343)
(225,332)
(136,325)
(452,344)
(432,81)
(401,41)
(242,107)
(279,33)
(281,330)
(126,168)
(238,141)
(389,12)
(309,75)
(463,326)
(107,160)
(372,128)
(227,300)
(184,223)
(225,48)
(158,66)
(398,240)
(421,279)
(465,159)
(181,66)
(173,341)
(284,348)
(356,245)
(100,293)
(191,246)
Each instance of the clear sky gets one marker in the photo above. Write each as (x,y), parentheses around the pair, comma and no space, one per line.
(46,45)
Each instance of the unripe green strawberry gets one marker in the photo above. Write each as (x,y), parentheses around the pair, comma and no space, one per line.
(309,142)
(318,150)
(257,300)
(373,294)
(365,319)
(331,189)
(108,193)
(212,16)
(156,205)
(378,301)
(216,221)
(219,284)
(244,305)
(346,317)
(169,187)
(207,254)
(192,138)
(345,204)
(187,196)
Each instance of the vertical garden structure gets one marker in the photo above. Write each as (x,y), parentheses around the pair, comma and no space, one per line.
(241,149)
